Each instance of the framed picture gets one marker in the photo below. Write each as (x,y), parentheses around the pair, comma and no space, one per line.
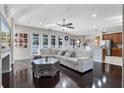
(20,35)
(21,40)
(25,40)
(25,35)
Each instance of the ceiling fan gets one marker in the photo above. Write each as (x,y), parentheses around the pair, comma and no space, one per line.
(68,25)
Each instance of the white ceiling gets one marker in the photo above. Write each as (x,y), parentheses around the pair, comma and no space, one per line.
(108,17)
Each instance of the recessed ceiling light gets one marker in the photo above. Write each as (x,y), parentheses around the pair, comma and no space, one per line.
(41,23)
(120,20)
(104,30)
(93,15)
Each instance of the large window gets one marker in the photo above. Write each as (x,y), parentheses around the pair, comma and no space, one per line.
(60,42)
(35,43)
(45,41)
(53,41)
(72,43)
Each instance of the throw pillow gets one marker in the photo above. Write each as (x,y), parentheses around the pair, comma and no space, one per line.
(68,54)
(59,53)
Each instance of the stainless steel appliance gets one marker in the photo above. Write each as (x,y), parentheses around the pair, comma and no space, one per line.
(108,45)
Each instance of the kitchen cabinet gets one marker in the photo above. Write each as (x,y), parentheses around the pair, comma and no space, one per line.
(103,54)
(107,36)
(115,52)
(117,38)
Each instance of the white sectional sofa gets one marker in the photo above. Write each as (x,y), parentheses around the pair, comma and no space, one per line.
(82,60)
(77,59)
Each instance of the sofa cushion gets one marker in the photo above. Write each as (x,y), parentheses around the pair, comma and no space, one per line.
(52,51)
(83,53)
(78,54)
(44,51)
(57,56)
(59,53)
(83,58)
(73,61)
(88,53)
(63,58)
(68,54)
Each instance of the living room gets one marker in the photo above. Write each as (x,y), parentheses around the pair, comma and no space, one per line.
(76,40)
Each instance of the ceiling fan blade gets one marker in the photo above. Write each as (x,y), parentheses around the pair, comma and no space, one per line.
(70,27)
(61,24)
(69,24)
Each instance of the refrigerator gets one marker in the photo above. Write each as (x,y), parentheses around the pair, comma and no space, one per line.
(107,44)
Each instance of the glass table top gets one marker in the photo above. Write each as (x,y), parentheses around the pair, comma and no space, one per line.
(45,61)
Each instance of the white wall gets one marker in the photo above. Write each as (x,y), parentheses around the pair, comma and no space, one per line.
(25,53)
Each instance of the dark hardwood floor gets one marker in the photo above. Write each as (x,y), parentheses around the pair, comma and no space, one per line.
(102,76)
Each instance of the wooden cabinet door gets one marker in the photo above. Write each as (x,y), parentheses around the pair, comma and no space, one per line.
(117,52)
(117,38)
(103,54)
(114,39)
(107,36)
